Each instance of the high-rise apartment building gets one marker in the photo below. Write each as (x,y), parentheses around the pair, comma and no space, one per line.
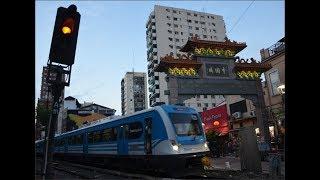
(46,97)
(168,29)
(133,92)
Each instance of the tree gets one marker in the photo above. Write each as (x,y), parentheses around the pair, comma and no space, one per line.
(43,114)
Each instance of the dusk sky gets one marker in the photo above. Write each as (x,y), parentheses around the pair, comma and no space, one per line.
(112,39)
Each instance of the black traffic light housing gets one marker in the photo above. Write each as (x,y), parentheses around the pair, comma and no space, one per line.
(65,35)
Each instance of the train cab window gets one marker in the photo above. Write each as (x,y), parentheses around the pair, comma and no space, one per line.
(186,124)
(134,130)
(109,134)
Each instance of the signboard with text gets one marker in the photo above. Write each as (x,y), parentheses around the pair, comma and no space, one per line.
(220,70)
(216,119)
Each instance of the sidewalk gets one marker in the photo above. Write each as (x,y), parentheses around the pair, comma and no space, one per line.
(219,163)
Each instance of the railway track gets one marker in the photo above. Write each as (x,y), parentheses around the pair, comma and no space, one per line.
(98,171)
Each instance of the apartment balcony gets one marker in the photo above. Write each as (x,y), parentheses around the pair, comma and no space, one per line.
(273,50)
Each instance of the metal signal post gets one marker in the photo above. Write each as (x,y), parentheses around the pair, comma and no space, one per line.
(61,59)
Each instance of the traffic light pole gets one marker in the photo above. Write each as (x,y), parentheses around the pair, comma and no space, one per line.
(57,88)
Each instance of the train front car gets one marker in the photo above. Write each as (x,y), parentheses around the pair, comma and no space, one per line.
(186,145)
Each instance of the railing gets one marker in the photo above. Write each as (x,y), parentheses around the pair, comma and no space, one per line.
(274,49)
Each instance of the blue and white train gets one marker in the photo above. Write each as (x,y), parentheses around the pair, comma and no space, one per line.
(168,138)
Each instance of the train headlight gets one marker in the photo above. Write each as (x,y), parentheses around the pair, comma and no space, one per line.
(206,145)
(175,147)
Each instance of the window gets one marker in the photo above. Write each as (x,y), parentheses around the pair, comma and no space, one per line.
(202,16)
(275,81)
(195,15)
(210,30)
(204,36)
(109,134)
(190,27)
(169,24)
(175,25)
(156,77)
(171,53)
(176,32)
(175,19)
(181,33)
(212,17)
(205,96)
(167,10)
(177,40)
(214,30)
(189,21)
(182,40)
(197,28)
(202,23)
(96,136)
(211,37)
(196,22)
(168,18)
(213,24)
(204,29)
(188,14)
(186,124)
(196,35)
(134,130)
(206,105)
(178,54)
(170,46)
(208,16)
(190,34)
(169,31)
(79,139)
(170,39)
(198,96)
(174,11)
(90,137)
(213,104)
(178,47)
(199,104)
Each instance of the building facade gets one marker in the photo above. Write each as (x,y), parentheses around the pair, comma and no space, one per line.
(46,97)
(133,92)
(274,85)
(168,29)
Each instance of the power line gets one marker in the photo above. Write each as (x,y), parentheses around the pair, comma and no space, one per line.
(240,17)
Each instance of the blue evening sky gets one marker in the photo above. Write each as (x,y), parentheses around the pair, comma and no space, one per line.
(112,39)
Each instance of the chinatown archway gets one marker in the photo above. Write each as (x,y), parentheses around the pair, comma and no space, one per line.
(212,68)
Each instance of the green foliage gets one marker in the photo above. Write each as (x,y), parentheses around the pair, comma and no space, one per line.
(212,136)
(43,114)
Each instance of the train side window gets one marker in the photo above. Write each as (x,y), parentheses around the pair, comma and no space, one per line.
(135,130)
(96,136)
(70,140)
(79,139)
(109,134)
(90,137)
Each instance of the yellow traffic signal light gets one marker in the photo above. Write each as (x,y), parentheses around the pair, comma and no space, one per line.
(66,30)
(67,26)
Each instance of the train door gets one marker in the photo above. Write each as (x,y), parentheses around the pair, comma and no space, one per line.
(122,141)
(148,135)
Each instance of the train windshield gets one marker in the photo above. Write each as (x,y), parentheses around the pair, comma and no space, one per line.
(186,124)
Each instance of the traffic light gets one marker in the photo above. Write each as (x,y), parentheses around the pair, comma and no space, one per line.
(65,35)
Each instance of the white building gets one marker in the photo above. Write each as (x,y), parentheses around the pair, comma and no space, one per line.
(134,92)
(168,29)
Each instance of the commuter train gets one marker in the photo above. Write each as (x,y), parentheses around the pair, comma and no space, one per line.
(165,138)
